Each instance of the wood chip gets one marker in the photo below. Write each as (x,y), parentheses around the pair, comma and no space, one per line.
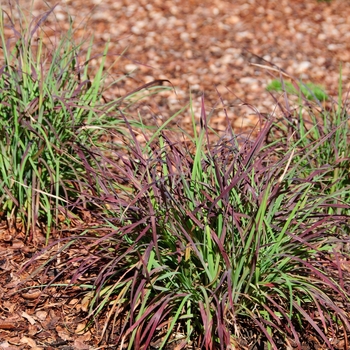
(31,295)
(30,319)
(31,342)
(7,325)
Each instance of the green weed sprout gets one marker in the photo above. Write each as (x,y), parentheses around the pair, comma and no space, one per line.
(309,90)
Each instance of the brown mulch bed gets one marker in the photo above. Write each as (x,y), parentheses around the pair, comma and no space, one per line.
(209,47)
(200,46)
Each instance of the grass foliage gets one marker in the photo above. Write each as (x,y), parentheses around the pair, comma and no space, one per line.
(46,100)
(51,112)
(212,244)
(309,90)
(221,243)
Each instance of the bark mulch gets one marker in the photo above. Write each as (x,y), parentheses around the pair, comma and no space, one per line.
(201,46)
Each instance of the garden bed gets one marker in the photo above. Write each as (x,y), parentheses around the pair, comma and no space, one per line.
(130,220)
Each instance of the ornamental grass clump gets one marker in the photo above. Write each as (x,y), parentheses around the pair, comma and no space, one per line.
(46,99)
(50,113)
(227,244)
